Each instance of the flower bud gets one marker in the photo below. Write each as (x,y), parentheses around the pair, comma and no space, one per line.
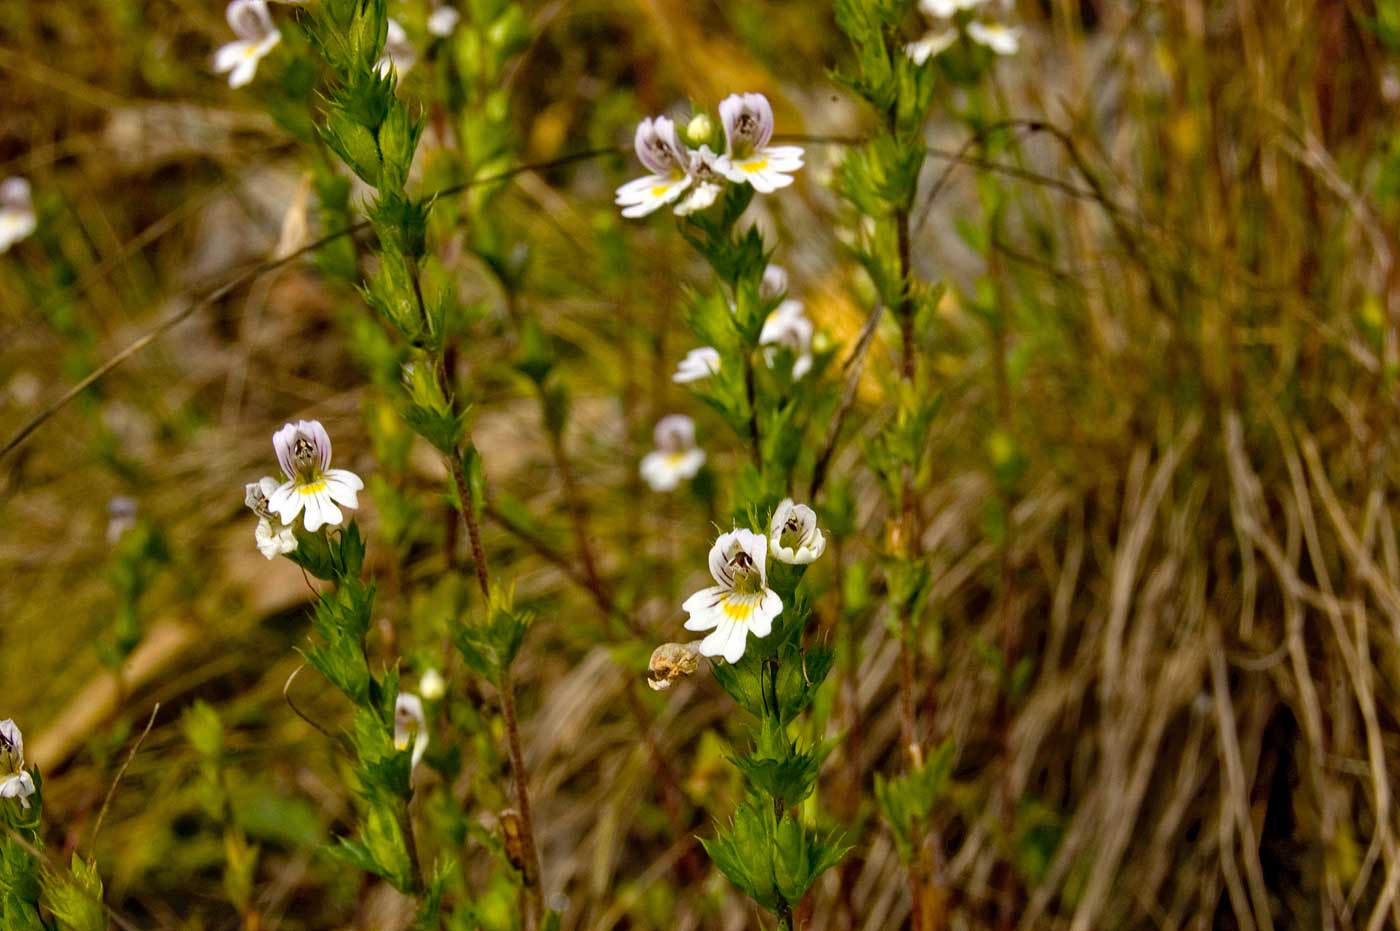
(699,128)
(670,661)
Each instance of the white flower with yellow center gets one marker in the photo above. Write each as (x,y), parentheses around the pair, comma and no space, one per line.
(793,535)
(741,603)
(15,781)
(698,364)
(660,150)
(1004,40)
(748,158)
(304,452)
(410,726)
(676,457)
(17,220)
(257,36)
(272,536)
(788,327)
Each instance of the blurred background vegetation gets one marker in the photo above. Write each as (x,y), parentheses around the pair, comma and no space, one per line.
(1161,477)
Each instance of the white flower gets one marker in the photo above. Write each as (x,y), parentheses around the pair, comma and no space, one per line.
(787,326)
(304,452)
(15,781)
(934,43)
(431,685)
(443,20)
(660,150)
(17,219)
(1004,40)
(947,9)
(410,725)
(774,284)
(676,457)
(121,517)
(399,55)
(793,535)
(741,603)
(257,36)
(748,127)
(273,538)
(697,364)
(702,167)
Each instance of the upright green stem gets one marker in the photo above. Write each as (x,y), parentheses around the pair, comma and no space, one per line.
(751,391)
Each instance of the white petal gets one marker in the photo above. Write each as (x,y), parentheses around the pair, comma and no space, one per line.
(657,473)
(228,56)
(243,73)
(341,491)
(286,502)
(701,608)
(734,645)
(714,644)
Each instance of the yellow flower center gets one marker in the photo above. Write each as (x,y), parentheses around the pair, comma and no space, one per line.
(312,488)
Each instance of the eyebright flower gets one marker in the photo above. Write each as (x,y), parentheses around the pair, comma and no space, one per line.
(273,538)
(660,150)
(945,14)
(15,781)
(257,36)
(793,535)
(121,517)
(702,168)
(443,20)
(676,456)
(748,128)
(787,326)
(304,452)
(17,220)
(741,603)
(774,284)
(697,364)
(410,726)
(399,54)
(1004,40)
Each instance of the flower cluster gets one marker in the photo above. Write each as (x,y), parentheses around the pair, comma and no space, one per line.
(676,457)
(787,327)
(692,175)
(17,220)
(948,17)
(257,35)
(310,484)
(740,602)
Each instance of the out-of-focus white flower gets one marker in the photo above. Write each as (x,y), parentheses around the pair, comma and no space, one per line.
(676,457)
(252,23)
(787,326)
(399,54)
(741,603)
(304,452)
(272,536)
(431,685)
(793,535)
(947,19)
(748,158)
(1004,40)
(702,167)
(15,781)
(661,152)
(774,284)
(697,364)
(17,220)
(410,725)
(443,20)
(933,43)
(121,517)
(947,9)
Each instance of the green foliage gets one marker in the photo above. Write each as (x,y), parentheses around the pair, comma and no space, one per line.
(429,411)
(908,799)
(75,898)
(489,647)
(770,856)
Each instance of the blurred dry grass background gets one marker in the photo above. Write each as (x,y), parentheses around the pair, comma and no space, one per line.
(1197,264)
